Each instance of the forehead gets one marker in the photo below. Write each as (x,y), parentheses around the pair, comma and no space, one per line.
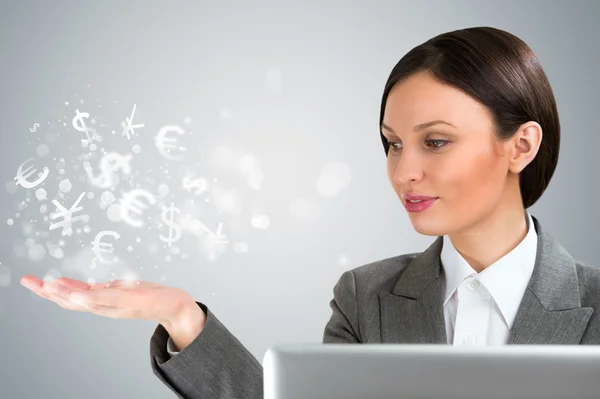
(421,98)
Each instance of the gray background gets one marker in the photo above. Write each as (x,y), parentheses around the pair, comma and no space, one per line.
(302,82)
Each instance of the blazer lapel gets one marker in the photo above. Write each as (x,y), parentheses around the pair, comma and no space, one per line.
(551,312)
(413,312)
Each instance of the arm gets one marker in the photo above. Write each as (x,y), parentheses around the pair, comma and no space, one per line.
(216,365)
(342,326)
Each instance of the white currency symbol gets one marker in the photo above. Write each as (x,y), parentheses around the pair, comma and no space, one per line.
(199,184)
(166,144)
(21,178)
(131,203)
(67,215)
(216,238)
(87,130)
(128,129)
(104,247)
(34,128)
(171,209)
(109,164)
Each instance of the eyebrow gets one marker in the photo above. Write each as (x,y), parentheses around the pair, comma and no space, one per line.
(420,126)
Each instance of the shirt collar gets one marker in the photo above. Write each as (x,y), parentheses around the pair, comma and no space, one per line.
(506,279)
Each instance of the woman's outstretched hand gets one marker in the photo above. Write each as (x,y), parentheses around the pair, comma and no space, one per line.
(172,307)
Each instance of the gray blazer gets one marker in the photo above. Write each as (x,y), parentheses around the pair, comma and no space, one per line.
(394,300)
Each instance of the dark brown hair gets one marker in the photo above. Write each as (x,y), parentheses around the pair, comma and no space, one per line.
(500,71)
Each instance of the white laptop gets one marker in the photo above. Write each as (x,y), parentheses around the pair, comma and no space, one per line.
(431,371)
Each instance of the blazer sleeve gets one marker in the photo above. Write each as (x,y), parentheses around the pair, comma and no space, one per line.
(217,366)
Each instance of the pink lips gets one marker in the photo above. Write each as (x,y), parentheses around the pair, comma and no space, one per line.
(424,202)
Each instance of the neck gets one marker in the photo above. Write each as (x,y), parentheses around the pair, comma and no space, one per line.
(490,239)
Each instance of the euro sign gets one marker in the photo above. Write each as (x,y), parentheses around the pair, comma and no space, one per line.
(99,247)
(166,144)
(22,175)
(131,203)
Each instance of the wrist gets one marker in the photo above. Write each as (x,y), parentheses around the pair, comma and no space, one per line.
(184,326)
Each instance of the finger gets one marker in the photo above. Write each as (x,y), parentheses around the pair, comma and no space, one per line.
(60,294)
(111,297)
(125,309)
(116,284)
(65,303)
(69,282)
(31,281)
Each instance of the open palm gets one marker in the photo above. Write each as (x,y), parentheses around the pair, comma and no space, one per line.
(115,299)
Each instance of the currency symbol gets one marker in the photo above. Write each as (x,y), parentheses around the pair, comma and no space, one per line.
(22,175)
(199,184)
(104,247)
(172,226)
(93,265)
(131,203)
(216,238)
(109,164)
(128,129)
(79,125)
(34,128)
(67,215)
(166,144)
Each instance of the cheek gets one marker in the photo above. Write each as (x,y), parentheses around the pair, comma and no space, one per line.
(471,179)
(391,170)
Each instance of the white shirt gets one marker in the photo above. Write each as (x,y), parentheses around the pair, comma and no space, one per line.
(480,308)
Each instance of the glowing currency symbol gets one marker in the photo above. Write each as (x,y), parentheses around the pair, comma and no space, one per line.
(22,175)
(166,144)
(128,129)
(131,203)
(170,210)
(67,214)
(218,238)
(199,227)
(34,128)
(199,184)
(109,164)
(79,125)
(93,265)
(104,247)
(210,243)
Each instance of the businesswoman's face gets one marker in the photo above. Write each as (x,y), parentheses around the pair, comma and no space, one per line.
(459,161)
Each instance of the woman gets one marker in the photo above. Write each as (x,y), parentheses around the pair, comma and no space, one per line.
(471,133)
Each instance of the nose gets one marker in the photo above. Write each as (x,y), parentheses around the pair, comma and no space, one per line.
(408,168)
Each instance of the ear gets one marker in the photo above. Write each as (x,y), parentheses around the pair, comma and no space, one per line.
(525,145)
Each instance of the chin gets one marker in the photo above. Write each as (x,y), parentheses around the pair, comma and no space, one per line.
(427,226)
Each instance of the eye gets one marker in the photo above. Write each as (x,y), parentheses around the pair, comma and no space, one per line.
(437,144)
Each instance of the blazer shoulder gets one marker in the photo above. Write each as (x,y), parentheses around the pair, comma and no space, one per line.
(383,273)
(589,284)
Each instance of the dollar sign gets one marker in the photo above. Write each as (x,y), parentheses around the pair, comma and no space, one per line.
(34,128)
(79,125)
(109,164)
(170,210)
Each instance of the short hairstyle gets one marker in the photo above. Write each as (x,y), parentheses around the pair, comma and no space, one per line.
(500,71)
